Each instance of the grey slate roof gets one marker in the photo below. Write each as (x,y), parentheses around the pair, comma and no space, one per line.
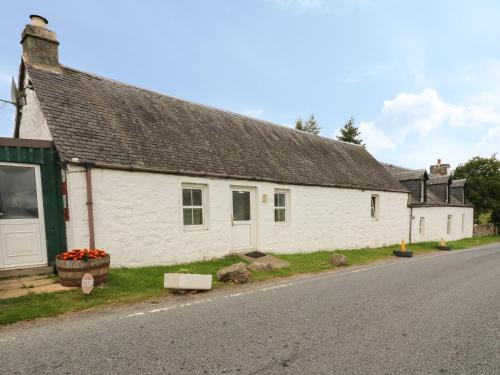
(436,179)
(405,174)
(110,123)
(432,198)
(458,183)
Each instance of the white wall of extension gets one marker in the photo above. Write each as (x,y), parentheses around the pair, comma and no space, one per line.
(33,124)
(138,217)
(436,223)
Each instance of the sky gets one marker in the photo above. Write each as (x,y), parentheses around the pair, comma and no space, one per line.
(421,78)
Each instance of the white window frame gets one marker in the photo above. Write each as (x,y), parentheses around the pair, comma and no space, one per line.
(203,207)
(286,208)
(375,206)
(421,226)
(449,224)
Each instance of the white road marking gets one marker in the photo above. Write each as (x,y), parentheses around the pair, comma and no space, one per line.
(275,287)
(299,282)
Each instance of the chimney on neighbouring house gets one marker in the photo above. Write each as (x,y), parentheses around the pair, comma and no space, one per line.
(439,169)
(40,45)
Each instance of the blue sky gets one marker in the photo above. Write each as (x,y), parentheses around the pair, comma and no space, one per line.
(421,78)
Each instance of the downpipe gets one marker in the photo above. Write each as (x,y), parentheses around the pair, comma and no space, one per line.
(90,205)
(411,224)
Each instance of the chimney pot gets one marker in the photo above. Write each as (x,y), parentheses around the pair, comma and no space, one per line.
(39,21)
(439,161)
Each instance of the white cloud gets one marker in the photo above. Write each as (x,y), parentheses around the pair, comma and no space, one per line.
(418,127)
(374,137)
(492,137)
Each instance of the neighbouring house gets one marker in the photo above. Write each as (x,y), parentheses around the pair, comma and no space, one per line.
(155,179)
(438,205)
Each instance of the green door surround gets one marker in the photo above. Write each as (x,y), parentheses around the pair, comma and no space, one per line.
(42,153)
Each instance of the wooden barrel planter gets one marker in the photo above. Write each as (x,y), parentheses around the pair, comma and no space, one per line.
(71,271)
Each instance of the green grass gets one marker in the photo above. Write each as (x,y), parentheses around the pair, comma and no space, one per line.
(127,285)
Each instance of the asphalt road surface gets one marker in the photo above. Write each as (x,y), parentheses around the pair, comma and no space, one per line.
(437,314)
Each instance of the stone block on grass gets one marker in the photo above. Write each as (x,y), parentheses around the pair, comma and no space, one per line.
(338,260)
(237,273)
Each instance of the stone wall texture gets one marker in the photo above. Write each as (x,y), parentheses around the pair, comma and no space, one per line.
(485,230)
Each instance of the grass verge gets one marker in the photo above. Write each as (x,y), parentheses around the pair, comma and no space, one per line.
(127,285)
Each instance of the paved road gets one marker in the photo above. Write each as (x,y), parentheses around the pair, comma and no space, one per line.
(427,315)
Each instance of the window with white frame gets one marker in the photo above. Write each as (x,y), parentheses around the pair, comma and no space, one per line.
(463,223)
(421,228)
(281,198)
(193,205)
(374,207)
(422,191)
(449,223)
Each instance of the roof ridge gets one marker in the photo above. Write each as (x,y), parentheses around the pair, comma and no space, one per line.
(267,122)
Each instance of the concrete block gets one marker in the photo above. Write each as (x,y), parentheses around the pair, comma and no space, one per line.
(187,281)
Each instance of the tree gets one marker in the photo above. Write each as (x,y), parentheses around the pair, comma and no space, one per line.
(310,126)
(483,185)
(350,133)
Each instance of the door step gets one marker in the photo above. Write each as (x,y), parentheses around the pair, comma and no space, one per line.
(29,271)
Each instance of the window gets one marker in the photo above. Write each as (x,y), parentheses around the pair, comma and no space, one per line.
(193,211)
(422,191)
(447,194)
(421,228)
(449,223)
(241,205)
(374,207)
(463,223)
(280,206)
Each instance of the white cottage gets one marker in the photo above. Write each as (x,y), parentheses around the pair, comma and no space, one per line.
(156,180)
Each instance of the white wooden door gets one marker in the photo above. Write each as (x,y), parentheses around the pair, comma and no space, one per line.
(22,229)
(242,218)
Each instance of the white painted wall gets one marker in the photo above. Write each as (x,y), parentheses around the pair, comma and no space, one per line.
(138,218)
(33,124)
(436,223)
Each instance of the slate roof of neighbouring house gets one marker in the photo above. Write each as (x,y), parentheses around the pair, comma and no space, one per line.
(458,183)
(437,179)
(405,174)
(106,122)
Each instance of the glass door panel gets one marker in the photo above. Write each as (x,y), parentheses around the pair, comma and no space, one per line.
(241,205)
(18,197)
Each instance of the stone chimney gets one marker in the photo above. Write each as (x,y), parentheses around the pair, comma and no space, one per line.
(40,45)
(440,169)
